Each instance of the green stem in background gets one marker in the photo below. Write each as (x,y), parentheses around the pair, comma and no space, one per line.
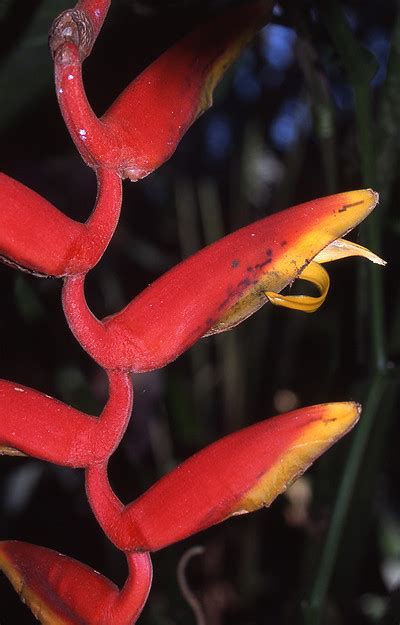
(351,470)
(190,240)
(366,141)
(358,67)
(320,97)
(230,371)
(388,123)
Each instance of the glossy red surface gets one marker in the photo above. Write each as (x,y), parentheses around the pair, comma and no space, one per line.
(181,306)
(46,428)
(63,591)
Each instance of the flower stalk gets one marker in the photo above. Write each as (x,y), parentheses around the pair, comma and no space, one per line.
(210,292)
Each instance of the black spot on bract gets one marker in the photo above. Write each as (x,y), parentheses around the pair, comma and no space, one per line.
(345,206)
(262,265)
(243,283)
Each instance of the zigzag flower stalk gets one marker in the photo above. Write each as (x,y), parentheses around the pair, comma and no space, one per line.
(223,284)
(63,591)
(142,128)
(35,424)
(210,292)
(239,473)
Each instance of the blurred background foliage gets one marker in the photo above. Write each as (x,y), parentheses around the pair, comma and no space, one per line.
(311,108)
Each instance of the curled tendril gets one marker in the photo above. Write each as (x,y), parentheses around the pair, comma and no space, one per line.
(186,591)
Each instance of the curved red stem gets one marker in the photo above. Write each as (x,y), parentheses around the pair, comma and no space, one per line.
(106,506)
(87,329)
(38,425)
(86,130)
(100,227)
(114,419)
(129,603)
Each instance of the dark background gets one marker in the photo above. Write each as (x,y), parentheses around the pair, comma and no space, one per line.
(302,114)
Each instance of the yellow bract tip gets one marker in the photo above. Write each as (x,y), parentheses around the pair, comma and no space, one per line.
(335,420)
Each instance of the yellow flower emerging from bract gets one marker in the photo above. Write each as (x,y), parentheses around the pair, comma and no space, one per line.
(298,240)
(319,277)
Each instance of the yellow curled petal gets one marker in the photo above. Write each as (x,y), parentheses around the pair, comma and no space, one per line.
(343,249)
(313,273)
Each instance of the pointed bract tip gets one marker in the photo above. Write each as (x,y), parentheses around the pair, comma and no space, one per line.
(346,414)
(375,195)
(316,429)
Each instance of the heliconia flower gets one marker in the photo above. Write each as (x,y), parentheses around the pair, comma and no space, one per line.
(239,473)
(37,237)
(144,125)
(35,424)
(223,284)
(63,591)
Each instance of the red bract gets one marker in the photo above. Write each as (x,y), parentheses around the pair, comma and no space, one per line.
(63,591)
(36,236)
(237,474)
(37,425)
(228,278)
(145,124)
